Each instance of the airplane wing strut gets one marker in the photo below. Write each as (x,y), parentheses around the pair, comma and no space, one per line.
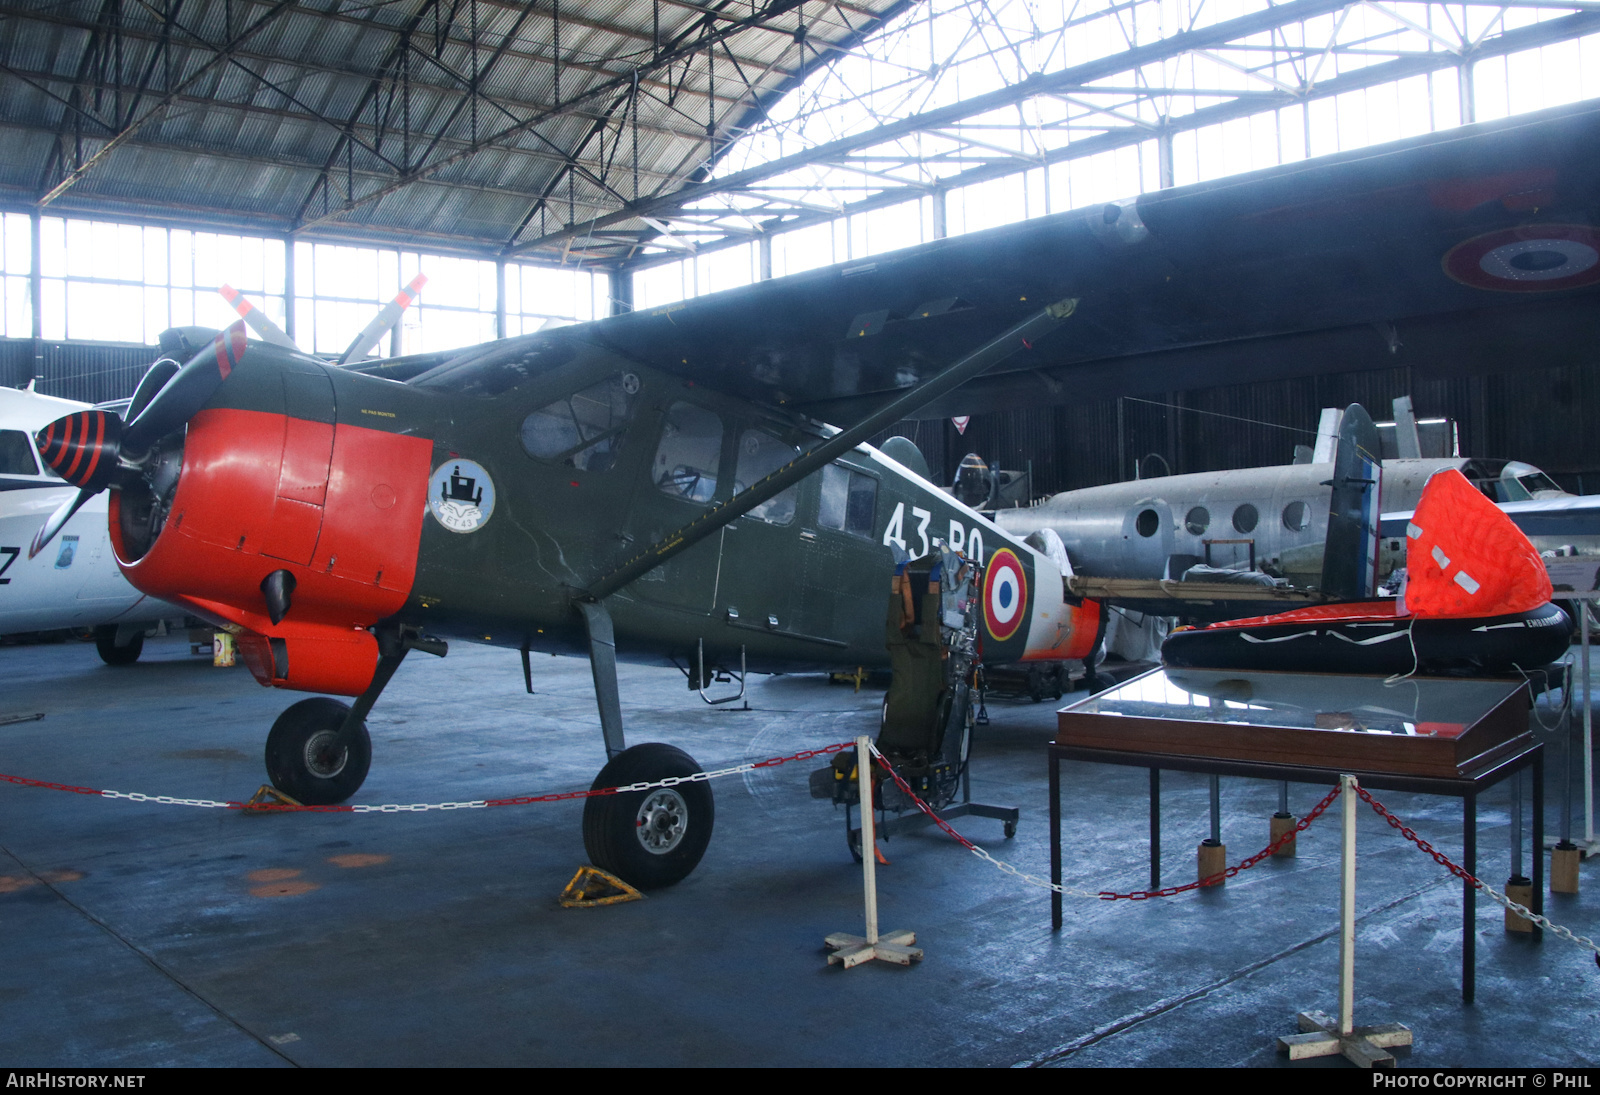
(991,353)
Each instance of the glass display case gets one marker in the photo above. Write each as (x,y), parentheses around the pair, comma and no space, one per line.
(1418,726)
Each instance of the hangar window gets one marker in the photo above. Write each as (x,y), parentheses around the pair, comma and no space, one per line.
(1147,522)
(761,454)
(583,430)
(1245,518)
(16,456)
(1296,516)
(849,500)
(690,450)
(1197,521)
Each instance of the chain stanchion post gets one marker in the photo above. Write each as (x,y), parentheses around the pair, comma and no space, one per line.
(896,946)
(1588,734)
(1322,1035)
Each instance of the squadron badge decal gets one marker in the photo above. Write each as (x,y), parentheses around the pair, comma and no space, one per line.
(461,495)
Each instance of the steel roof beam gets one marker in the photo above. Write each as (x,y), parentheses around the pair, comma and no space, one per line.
(1070,79)
(133,127)
(1529,37)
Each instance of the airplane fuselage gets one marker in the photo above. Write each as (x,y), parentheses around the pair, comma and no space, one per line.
(1274,518)
(477,502)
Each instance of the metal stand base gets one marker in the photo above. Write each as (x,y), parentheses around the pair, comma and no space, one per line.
(1364,1046)
(852,950)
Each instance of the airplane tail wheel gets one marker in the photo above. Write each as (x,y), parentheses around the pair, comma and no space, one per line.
(105,641)
(648,838)
(307,761)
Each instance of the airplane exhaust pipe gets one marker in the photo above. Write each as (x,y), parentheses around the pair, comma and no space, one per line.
(279,589)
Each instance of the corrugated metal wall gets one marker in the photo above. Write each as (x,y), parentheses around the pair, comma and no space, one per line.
(91,372)
(1548,417)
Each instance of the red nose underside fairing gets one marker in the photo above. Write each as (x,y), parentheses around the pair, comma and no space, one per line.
(339,507)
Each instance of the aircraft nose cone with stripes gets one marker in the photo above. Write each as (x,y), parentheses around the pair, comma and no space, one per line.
(95,449)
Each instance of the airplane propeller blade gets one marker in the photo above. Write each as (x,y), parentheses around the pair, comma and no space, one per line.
(256,318)
(385,319)
(58,519)
(185,392)
(86,448)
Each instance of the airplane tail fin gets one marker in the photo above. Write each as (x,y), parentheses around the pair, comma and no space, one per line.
(1350,556)
(1464,557)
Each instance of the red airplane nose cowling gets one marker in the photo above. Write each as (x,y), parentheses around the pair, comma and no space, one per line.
(339,507)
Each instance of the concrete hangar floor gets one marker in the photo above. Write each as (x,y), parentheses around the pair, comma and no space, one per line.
(140,935)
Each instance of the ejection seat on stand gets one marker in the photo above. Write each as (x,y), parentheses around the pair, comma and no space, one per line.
(926,731)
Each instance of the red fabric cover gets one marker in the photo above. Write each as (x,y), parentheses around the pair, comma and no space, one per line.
(1353,612)
(1464,557)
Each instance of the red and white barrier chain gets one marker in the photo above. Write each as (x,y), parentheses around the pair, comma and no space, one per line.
(809,754)
(424,807)
(1300,826)
(1488,891)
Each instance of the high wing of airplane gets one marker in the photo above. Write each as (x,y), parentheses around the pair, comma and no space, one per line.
(76,585)
(659,485)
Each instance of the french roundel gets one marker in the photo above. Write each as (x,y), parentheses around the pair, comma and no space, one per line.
(1531,259)
(1005,595)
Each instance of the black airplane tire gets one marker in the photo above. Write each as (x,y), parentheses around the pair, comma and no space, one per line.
(654,838)
(105,642)
(303,760)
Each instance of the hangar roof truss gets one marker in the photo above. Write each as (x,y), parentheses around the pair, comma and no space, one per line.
(626,132)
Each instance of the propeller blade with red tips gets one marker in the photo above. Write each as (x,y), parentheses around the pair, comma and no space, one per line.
(187,391)
(58,520)
(256,318)
(385,319)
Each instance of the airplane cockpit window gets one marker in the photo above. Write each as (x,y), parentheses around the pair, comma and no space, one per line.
(499,368)
(16,455)
(849,500)
(1197,521)
(1539,485)
(1245,518)
(690,450)
(761,454)
(1296,516)
(584,430)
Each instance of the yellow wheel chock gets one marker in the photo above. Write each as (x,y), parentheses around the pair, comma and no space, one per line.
(592,887)
(268,796)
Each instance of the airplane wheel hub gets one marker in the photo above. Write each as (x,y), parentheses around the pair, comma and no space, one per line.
(325,757)
(662,820)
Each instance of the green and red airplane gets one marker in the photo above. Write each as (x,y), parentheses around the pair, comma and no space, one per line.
(660,485)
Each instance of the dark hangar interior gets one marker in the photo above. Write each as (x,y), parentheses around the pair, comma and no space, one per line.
(809,207)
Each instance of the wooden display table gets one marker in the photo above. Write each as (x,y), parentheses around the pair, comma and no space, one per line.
(1434,735)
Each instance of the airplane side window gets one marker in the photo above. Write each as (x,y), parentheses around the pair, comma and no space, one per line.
(1296,516)
(863,504)
(1147,522)
(691,447)
(761,454)
(584,430)
(16,457)
(849,500)
(1197,521)
(1245,518)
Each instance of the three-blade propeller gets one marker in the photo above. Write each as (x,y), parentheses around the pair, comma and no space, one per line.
(95,449)
(92,449)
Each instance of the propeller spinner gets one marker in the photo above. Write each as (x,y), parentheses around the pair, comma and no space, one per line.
(95,449)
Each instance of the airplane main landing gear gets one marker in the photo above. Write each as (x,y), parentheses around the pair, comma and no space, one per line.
(309,761)
(652,838)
